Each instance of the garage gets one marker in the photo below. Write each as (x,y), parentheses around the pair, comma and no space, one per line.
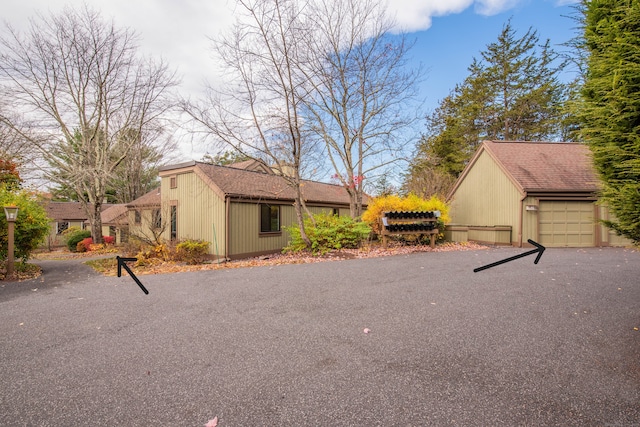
(566,223)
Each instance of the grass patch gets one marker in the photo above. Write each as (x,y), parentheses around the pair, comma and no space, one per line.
(104,265)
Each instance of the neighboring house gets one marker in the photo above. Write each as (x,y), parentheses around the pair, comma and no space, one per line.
(64,215)
(115,223)
(240,209)
(145,216)
(514,191)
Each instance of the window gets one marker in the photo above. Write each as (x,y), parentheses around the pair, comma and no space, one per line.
(174,223)
(269,218)
(62,226)
(138,217)
(336,212)
(156,218)
(173,182)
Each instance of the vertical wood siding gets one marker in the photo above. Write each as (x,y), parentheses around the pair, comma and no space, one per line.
(245,236)
(200,211)
(530,220)
(486,197)
(609,237)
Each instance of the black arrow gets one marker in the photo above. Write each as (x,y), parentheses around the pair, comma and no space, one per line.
(539,249)
(122,262)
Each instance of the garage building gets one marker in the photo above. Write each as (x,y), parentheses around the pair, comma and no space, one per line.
(512,191)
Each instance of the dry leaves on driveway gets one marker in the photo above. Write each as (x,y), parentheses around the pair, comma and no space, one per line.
(108,266)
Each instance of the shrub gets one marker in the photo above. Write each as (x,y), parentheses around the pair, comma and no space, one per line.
(329,232)
(192,251)
(80,247)
(108,240)
(152,254)
(379,205)
(31,226)
(75,237)
(87,242)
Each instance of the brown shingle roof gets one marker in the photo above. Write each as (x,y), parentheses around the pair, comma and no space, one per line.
(152,198)
(68,211)
(255,185)
(115,214)
(546,166)
(248,184)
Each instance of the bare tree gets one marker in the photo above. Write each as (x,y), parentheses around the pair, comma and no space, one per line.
(13,146)
(363,99)
(86,97)
(258,112)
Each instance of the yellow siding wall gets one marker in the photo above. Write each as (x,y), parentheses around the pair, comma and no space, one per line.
(245,228)
(609,237)
(144,229)
(530,220)
(245,236)
(200,211)
(486,197)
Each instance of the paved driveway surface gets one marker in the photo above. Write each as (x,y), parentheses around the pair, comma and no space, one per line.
(518,344)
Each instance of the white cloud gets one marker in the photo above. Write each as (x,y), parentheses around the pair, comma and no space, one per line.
(416,15)
(493,7)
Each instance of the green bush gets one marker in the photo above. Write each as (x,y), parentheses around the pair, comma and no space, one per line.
(75,237)
(329,232)
(192,251)
(31,226)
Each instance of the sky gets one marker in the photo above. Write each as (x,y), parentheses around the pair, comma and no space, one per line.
(448,34)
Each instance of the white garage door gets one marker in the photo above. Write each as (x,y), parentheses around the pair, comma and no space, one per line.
(566,224)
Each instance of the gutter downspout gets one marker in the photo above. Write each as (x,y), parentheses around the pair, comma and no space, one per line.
(227,203)
(520,220)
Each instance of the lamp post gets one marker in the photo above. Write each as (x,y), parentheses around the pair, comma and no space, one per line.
(11,212)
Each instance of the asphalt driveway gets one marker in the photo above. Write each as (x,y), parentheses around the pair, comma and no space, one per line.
(516,345)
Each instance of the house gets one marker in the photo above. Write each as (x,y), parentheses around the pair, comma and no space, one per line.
(240,209)
(115,223)
(144,216)
(64,215)
(514,191)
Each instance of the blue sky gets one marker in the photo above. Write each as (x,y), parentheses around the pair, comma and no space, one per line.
(448,33)
(448,47)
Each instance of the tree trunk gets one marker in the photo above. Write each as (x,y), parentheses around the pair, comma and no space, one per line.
(298,204)
(96,224)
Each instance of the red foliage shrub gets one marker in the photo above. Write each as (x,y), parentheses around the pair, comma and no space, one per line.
(87,243)
(109,240)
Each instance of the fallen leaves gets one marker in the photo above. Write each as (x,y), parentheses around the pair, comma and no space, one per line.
(107,266)
(212,423)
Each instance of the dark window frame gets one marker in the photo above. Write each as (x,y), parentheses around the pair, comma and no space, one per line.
(137,217)
(156,219)
(173,232)
(270,219)
(62,226)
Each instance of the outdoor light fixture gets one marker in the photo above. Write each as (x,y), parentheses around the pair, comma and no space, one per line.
(11,213)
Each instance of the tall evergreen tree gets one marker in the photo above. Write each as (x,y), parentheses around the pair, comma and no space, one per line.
(511,93)
(611,106)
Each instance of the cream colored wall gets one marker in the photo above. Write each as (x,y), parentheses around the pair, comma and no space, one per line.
(245,236)
(200,211)
(609,237)
(529,220)
(486,197)
(143,229)
(245,228)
